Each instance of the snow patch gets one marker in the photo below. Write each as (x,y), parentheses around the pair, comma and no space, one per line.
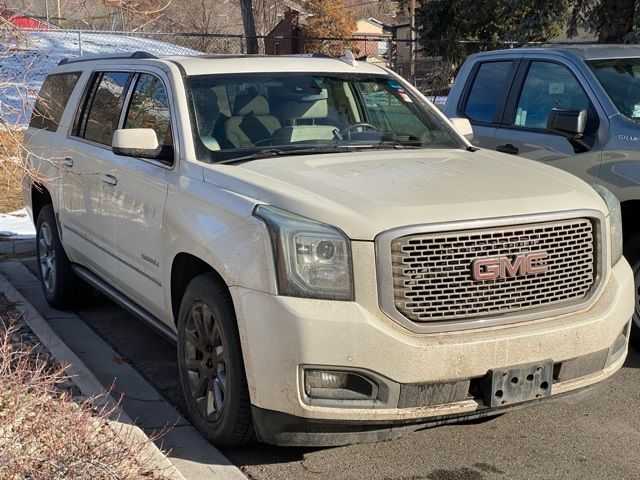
(16,225)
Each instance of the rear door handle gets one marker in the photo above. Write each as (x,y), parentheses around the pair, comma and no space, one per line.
(508,148)
(109,179)
(68,162)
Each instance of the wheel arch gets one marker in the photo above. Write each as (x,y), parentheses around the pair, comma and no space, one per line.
(40,197)
(184,268)
(630,210)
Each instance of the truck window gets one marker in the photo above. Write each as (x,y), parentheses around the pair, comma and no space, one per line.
(149,108)
(101,112)
(548,86)
(52,100)
(620,77)
(488,87)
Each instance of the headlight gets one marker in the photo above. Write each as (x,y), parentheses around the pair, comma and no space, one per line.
(615,220)
(312,259)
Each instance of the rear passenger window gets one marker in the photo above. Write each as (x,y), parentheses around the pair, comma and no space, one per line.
(101,113)
(52,100)
(487,90)
(149,108)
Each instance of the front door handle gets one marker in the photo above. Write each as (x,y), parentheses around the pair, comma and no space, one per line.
(68,162)
(508,148)
(109,179)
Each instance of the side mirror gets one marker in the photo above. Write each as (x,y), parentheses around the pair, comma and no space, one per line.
(136,142)
(463,127)
(568,123)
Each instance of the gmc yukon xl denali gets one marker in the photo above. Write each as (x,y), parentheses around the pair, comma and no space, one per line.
(335,262)
(573,107)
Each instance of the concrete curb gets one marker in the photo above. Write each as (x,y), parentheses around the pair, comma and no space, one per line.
(203,460)
(17,246)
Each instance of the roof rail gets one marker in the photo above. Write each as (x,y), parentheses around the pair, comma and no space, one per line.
(118,56)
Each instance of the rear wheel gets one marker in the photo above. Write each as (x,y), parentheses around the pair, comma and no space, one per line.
(211,367)
(61,286)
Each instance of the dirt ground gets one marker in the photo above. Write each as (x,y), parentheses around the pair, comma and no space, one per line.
(10,176)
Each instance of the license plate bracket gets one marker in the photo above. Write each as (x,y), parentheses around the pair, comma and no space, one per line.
(518,384)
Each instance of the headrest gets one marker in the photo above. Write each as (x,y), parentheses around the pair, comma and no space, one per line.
(301,110)
(246,104)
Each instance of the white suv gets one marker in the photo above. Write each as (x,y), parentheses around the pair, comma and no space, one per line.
(335,261)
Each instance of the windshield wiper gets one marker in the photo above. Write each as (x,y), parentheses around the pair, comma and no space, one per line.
(277,152)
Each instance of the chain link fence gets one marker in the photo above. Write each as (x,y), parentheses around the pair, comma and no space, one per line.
(431,74)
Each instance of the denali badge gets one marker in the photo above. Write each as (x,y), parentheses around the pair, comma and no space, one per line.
(492,268)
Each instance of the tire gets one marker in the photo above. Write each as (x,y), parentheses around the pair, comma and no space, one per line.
(62,288)
(212,375)
(632,254)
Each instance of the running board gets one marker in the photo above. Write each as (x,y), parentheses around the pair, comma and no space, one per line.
(125,302)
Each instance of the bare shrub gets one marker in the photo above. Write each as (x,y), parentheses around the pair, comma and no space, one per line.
(45,435)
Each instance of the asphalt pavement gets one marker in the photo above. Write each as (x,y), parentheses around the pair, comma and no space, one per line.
(594,438)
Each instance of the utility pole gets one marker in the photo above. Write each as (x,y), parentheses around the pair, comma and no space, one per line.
(58,11)
(249,26)
(46,9)
(412,49)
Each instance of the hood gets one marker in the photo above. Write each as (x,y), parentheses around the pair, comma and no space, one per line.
(365,193)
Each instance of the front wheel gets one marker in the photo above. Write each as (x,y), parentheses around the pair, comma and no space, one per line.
(211,367)
(632,254)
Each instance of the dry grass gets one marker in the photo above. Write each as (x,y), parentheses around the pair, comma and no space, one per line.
(10,174)
(46,435)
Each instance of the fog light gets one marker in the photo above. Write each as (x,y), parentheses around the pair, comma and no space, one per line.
(334,385)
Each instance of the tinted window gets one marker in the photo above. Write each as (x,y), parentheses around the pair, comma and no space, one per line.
(102,111)
(487,90)
(53,98)
(149,108)
(548,86)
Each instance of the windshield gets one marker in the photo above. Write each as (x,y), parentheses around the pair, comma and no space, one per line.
(236,116)
(620,78)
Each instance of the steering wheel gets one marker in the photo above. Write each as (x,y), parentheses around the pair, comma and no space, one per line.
(347,130)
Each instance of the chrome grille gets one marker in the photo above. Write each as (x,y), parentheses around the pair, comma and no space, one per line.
(432,278)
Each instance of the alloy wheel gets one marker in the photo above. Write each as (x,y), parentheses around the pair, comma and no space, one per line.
(47,257)
(205,361)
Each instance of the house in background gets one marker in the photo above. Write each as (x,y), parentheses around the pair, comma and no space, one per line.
(21,21)
(287,37)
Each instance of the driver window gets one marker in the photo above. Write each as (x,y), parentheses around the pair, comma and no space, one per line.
(548,86)
(149,108)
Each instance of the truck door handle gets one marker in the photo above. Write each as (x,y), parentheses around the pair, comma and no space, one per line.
(109,179)
(68,162)
(508,148)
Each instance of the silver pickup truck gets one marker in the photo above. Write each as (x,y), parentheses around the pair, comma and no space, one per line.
(575,108)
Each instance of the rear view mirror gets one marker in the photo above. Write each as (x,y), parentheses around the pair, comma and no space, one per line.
(568,123)
(463,127)
(136,142)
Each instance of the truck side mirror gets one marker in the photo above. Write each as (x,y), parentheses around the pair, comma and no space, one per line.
(463,127)
(136,142)
(568,123)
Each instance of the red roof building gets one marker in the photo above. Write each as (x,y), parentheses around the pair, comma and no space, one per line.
(22,21)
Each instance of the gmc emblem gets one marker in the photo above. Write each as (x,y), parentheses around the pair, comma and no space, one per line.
(492,268)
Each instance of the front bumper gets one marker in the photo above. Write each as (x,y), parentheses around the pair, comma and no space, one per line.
(281,335)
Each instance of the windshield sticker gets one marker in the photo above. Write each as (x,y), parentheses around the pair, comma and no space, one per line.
(404,96)
(394,84)
(556,88)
